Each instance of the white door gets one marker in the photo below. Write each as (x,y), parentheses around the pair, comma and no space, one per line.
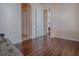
(39,22)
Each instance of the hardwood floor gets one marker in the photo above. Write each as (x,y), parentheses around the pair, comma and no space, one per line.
(44,46)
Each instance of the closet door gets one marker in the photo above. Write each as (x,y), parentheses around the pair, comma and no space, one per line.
(39,22)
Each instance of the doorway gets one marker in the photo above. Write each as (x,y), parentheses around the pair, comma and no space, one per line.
(26,21)
(47,21)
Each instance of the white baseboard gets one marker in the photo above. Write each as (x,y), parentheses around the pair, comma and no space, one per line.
(29,38)
(34,36)
(62,37)
(66,38)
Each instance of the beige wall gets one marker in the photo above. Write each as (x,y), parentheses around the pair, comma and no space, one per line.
(66,21)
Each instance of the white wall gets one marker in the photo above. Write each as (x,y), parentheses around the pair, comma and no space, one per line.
(66,21)
(10,21)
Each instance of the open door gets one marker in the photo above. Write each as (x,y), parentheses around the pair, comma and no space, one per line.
(46,21)
(39,22)
(26,21)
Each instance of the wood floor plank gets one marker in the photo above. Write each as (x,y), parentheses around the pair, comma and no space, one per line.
(44,46)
